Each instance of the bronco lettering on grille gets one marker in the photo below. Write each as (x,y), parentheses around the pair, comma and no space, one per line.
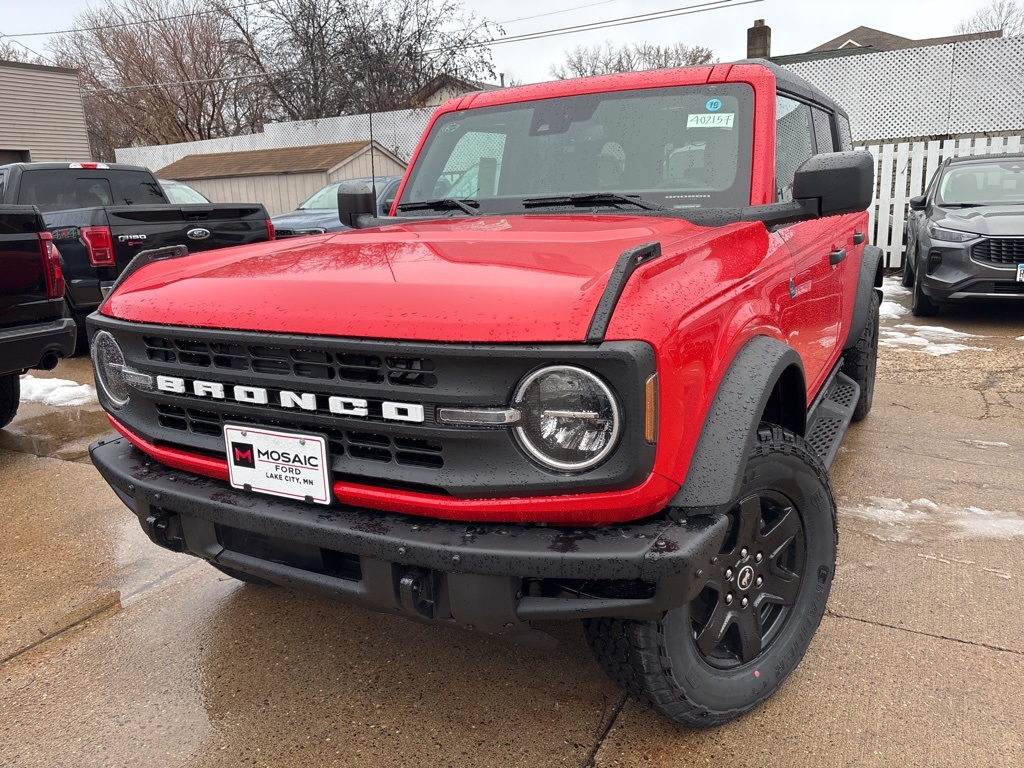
(306,401)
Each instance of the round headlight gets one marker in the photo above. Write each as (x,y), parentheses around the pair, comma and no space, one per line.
(570,419)
(108,363)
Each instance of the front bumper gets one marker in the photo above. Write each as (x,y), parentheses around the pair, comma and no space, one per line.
(492,577)
(951,274)
(24,346)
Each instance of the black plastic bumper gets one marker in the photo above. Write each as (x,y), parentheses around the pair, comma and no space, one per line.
(24,346)
(492,577)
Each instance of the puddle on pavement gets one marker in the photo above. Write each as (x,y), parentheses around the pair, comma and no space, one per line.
(925,520)
(63,433)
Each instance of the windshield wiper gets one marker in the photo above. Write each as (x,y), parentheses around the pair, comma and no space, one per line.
(962,205)
(592,198)
(443,204)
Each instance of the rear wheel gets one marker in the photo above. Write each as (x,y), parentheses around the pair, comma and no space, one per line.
(725,652)
(10,394)
(861,362)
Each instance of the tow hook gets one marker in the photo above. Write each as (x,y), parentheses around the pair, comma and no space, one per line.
(165,529)
(415,589)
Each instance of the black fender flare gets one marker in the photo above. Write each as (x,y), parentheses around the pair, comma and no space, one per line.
(727,437)
(869,279)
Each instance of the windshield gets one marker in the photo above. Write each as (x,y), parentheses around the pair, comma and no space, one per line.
(683,147)
(182,194)
(992,183)
(328,196)
(58,189)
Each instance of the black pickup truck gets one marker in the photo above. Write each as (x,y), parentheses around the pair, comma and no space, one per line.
(35,331)
(101,215)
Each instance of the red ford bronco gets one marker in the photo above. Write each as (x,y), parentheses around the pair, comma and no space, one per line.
(594,366)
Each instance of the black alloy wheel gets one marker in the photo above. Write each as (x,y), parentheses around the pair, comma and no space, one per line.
(730,648)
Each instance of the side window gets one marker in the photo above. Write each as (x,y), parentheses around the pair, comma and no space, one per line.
(792,143)
(3,184)
(823,141)
(845,137)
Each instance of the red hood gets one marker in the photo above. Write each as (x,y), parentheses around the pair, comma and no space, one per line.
(487,279)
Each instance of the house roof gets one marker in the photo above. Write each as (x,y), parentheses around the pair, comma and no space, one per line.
(435,84)
(218,165)
(886,41)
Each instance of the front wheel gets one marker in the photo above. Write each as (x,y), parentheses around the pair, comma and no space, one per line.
(921,305)
(725,652)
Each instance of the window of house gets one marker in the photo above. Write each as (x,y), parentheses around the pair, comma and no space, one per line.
(792,143)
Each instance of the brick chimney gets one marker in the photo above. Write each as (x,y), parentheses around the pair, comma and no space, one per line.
(759,41)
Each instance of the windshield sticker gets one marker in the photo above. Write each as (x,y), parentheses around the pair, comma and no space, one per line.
(720,120)
(714,105)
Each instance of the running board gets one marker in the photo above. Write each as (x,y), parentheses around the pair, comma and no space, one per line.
(831,415)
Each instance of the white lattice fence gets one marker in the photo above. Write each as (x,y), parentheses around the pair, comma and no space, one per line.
(903,169)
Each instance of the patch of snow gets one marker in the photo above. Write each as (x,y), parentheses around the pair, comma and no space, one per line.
(55,391)
(927,339)
(1020,338)
(892,287)
(938,332)
(899,520)
(890,310)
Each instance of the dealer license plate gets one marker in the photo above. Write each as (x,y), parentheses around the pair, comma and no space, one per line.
(1020,273)
(278,463)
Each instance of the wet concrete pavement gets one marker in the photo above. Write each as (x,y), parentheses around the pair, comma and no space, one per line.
(117,653)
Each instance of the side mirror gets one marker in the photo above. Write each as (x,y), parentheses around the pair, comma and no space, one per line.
(840,182)
(918,203)
(355,199)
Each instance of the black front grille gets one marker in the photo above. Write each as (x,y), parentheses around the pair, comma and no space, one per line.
(1002,286)
(1006,250)
(343,365)
(358,444)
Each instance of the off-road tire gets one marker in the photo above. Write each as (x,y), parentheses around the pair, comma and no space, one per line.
(243,576)
(921,305)
(861,362)
(10,394)
(660,663)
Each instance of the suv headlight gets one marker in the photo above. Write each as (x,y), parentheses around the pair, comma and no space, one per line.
(108,364)
(949,235)
(570,420)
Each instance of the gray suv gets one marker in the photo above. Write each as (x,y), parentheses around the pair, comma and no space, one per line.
(965,235)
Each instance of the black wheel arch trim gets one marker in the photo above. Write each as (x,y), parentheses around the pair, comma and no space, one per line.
(730,429)
(869,279)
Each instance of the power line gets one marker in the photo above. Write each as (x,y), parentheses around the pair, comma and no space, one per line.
(138,23)
(30,50)
(685,10)
(714,5)
(555,13)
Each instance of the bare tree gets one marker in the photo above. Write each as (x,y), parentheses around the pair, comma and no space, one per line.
(158,72)
(1005,15)
(323,58)
(12,51)
(584,61)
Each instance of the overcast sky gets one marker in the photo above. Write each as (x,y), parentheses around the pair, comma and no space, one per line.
(797,25)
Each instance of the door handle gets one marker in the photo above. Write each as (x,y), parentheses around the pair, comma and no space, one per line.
(859,237)
(836,256)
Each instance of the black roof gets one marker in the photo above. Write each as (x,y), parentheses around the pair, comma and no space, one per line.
(797,86)
(984,158)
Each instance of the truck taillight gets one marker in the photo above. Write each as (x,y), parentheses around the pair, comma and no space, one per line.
(51,266)
(99,244)
(271,234)
(89,166)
